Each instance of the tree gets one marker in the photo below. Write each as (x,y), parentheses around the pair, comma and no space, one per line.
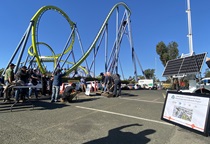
(149,73)
(167,53)
(1,71)
(207,73)
(140,77)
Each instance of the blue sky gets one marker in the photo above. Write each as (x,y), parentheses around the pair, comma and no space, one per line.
(152,21)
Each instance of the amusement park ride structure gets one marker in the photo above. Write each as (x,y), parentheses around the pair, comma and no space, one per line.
(34,57)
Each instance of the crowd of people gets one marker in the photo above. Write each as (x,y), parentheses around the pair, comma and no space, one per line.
(28,78)
(50,85)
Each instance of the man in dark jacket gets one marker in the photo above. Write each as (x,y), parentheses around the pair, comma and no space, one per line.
(23,76)
(69,93)
(57,81)
(108,82)
(44,84)
(117,85)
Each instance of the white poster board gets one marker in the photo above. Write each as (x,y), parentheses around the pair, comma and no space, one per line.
(189,110)
(87,92)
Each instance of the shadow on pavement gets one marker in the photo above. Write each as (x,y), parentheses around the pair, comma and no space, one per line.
(46,105)
(84,100)
(128,94)
(43,105)
(21,106)
(116,136)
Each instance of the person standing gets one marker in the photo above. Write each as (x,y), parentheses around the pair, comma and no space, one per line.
(102,80)
(50,85)
(105,81)
(108,82)
(56,85)
(83,84)
(23,76)
(9,77)
(34,80)
(44,84)
(117,85)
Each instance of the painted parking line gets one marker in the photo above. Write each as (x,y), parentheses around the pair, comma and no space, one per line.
(164,96)
(155,100)
(124,115)
(142,100)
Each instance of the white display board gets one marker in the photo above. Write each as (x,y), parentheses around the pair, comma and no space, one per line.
(189,110)
(87,92)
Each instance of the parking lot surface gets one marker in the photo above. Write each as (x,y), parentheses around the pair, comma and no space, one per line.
(134,118)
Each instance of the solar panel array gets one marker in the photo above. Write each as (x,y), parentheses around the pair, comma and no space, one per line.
(187,65)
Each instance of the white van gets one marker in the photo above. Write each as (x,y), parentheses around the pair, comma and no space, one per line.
(146,83)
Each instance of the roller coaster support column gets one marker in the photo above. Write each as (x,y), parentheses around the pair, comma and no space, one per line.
(106,46)
(117,38)
(71,52)
(80,43)
(23,46)
(15,52)
(31,61)
(94,60)
(120,34)
(140,65)
(96,51)
(116,48)
(66,46)
(22,41)
(121,70)
(131,45)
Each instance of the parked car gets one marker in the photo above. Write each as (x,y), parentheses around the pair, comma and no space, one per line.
(131,86)
(137,86)
(155,87)
(124,87)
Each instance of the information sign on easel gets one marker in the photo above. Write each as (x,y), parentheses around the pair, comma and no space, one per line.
(188,110)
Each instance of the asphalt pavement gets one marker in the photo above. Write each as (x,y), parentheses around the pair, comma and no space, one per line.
(133,118)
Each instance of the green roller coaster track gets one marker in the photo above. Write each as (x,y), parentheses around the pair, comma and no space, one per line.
(80,61)
(35,20)
(54,57)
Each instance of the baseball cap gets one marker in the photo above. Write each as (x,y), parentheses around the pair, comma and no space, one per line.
(24,67)
(12,64)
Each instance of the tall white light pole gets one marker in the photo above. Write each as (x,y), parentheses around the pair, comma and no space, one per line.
(189,29)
